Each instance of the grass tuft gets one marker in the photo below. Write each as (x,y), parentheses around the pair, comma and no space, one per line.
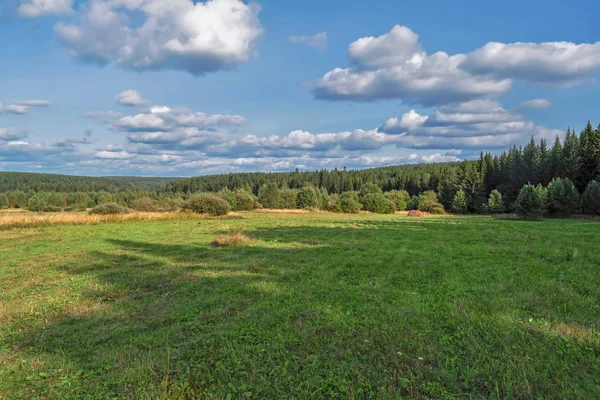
(231,239)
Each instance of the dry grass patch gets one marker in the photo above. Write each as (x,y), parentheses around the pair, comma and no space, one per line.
(39,220)
(231,239)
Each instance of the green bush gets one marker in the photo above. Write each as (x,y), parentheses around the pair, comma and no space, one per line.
(206,203)
(562,198)
(348,203)
(428,202)
(495,204)
(245,201)
(377,203)
(591,199)
(37,202)
(3,201)
(229,196)
(460,204)
(413,203)
(307,198)
(529,203)
(269,195)
(288,199)
(144,204)
(109,209)
(399,197)
(366,190)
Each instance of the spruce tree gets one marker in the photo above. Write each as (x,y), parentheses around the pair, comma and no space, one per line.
(529,204)
(589,157)
(569,163)
(459,204)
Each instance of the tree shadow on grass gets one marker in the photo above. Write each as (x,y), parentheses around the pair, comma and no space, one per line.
(366,309)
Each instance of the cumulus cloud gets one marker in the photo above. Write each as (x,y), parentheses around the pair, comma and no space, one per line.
(479,124)
(130,98)
(39,8)
(156,34)
(394,65)
(534,104)
(22,107)
(317,41)
(552,63)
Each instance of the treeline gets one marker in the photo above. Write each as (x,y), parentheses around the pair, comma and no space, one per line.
(490,184)
(34,182)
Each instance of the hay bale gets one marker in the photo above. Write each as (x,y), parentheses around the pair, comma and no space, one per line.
(416,213)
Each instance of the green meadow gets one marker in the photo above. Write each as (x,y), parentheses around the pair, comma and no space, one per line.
(301,306)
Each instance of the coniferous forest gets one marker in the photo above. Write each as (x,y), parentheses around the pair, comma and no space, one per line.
(564,174)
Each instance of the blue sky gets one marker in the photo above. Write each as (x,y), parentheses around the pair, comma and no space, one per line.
(157,87)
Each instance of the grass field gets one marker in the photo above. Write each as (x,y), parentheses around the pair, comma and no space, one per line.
(301,306)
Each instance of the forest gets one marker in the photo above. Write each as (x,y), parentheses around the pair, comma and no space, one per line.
(491,183)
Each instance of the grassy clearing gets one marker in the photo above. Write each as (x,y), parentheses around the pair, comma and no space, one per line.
(314,306)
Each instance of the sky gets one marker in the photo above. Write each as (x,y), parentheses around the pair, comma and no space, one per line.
(187,88)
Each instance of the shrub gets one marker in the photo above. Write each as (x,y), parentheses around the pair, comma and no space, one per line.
(144,204)
(79,207)
(333,203)
(229,196)
(269,195)
(529,203)
(591,199)
(206,203)
(495,204)
(562,198)
(3,201)
(287,199)
(399,197)
(429,202)
(348,203)
(413,203)
(109,209)
(37,202)
(377,203)
(460,203)
(307,198)
(366,190)
(245,201)
(171,205)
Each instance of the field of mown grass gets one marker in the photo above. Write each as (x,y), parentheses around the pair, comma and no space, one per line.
(301,306)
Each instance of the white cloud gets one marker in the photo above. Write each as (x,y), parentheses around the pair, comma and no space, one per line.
(480,125)
(32,103)
(176,34)
(394,65)
(534,104)
(39,8)
(22,107)
(317,41)
(130,98)
(552,63)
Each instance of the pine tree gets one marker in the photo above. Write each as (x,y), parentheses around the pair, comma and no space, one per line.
(569,164)
(589,166)
(529,204)
(555,157)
